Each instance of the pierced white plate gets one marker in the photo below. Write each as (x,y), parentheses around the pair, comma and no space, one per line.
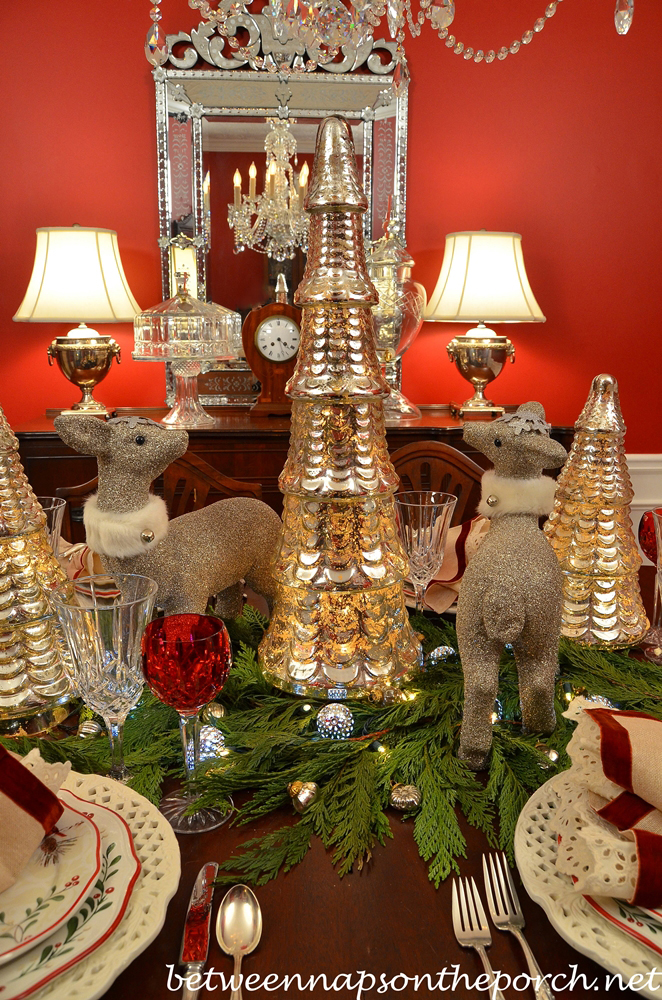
(158,851)
(568,911)
(51,886)
(93,922)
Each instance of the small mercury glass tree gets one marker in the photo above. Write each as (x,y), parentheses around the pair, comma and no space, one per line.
(340,621)
(590,529)
(32,680)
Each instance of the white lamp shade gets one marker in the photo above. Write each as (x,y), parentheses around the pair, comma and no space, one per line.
(483,280)
(77,277)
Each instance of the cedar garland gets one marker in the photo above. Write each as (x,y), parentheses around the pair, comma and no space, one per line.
(273,740)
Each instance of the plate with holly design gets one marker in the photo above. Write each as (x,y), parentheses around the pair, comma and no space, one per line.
(93,921)
(52,886)
(643,925)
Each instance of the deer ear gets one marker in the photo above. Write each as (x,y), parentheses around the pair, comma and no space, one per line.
(88,435)
(552,454)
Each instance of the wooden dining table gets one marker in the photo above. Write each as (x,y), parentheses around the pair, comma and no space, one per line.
(387,920)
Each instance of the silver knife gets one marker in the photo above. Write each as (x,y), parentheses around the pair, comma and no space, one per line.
(195,940)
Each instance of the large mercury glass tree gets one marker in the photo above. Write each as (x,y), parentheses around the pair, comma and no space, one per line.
(340,622)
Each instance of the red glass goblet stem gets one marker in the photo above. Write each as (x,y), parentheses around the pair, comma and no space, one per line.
(189,728)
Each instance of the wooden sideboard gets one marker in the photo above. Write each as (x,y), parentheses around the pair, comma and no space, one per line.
(241,444)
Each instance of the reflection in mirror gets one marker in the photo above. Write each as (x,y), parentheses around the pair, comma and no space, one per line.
(213,118)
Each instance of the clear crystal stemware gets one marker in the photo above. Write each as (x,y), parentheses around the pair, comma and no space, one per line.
(103,619)
(423,518)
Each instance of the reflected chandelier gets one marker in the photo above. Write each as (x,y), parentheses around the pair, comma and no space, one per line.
(322,29)
(273,222)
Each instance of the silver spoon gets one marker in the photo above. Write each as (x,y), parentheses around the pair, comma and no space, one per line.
(238,928)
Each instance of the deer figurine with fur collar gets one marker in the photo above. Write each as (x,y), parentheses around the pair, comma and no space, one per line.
(512,588)
(198,555)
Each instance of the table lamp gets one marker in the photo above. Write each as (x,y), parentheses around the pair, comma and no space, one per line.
(482,280)
(78,277)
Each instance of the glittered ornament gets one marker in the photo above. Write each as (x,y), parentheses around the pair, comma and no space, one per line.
(405,797)
(212,744)
(302,794)
(203,553)
(335,722)
(511,589)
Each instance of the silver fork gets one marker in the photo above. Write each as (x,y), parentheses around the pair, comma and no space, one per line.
(507,915)
(470,926)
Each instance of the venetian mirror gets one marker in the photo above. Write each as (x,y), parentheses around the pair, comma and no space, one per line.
(213,110)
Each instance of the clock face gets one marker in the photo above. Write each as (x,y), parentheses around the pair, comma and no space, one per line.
(277,338)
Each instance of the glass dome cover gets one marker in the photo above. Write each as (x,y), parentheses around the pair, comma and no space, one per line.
(184,328)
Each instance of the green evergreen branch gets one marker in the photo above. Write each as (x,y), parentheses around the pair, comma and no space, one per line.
(272,741)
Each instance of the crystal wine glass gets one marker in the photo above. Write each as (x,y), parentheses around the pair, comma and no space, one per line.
(186,661)
(423,519)
(103,619)
(53,508)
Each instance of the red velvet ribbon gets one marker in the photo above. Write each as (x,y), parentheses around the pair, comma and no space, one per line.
(628,808)
(20,785)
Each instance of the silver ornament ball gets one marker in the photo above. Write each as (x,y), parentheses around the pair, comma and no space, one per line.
(213,712)
(405,797)
(302,794)
(335,722)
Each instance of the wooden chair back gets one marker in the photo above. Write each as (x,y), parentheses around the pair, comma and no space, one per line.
(432,465)
(190,483)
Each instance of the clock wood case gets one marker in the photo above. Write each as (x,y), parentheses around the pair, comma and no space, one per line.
(275,370)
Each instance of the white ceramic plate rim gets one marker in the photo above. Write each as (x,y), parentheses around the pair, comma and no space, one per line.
(129,859)
(158,850)
(570,912)
(12,953)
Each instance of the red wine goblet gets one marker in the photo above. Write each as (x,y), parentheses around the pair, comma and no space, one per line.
(186,661)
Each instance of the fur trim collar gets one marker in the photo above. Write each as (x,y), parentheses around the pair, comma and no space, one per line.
(516,496)
(119,535)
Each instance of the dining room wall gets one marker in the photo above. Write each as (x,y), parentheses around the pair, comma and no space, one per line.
(561,143)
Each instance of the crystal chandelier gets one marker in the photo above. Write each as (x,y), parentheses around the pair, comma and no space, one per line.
(317,32)
(273,222)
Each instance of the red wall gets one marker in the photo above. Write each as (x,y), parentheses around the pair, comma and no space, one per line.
(560,143)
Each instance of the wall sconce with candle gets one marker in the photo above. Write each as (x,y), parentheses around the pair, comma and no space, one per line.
(482,280)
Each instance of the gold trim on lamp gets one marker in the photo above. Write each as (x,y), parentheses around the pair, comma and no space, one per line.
(482,279)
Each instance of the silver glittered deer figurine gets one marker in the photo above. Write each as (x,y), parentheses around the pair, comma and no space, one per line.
(198,555)
(511,590)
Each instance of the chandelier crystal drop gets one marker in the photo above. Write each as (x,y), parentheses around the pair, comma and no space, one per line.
(273,222)
(623,15)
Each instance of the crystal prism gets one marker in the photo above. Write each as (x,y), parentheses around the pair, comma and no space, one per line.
(442,14)
(623,15)
(156,47)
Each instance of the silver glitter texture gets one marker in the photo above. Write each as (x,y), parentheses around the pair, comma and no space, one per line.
(511,592)
(335,722)
(207,552)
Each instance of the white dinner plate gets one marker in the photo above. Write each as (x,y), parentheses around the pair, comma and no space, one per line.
(52,886)
(91,923)
(643,925)
(158,851)
(569,912)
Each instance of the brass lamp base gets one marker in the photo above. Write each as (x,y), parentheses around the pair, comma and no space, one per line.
(85,361)
(479,360)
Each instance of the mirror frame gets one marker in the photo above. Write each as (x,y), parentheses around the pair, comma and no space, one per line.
(190,85)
